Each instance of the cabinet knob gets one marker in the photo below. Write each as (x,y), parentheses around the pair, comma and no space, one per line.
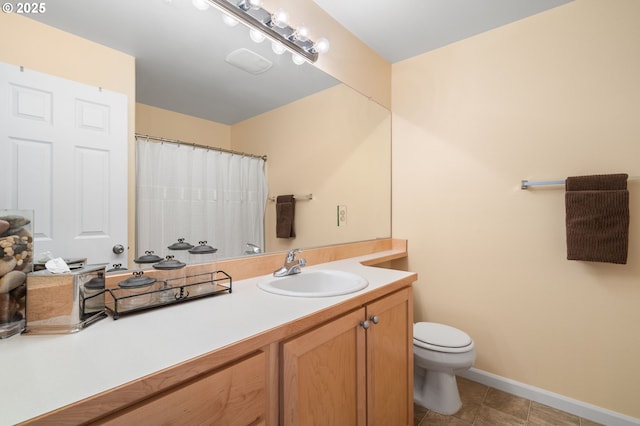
(365,324)
(118,249)
(374,319)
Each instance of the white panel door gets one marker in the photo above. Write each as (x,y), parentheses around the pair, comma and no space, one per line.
(63,147)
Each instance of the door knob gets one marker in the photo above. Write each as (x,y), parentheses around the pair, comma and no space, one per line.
(118,249)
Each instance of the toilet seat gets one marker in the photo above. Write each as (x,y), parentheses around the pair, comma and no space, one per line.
(441,338)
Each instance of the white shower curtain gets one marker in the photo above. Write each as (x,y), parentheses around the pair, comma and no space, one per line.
(199,195)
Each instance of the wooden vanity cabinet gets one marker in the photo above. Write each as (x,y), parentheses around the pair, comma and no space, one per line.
(356,369)
(234,395)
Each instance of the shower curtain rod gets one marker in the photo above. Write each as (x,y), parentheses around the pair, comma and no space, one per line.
(195,145)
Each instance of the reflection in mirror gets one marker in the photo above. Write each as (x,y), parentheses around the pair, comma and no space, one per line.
(320,137)
(189,195)
(186,60)
(334,144)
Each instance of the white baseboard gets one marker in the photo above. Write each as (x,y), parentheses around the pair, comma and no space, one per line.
(581,409)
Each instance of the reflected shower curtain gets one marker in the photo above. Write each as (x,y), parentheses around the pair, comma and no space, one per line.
(199,195)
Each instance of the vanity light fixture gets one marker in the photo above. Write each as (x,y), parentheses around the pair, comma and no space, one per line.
(250,4)
(302,33)
(277,48)
(256,36)
(280,18)
(200,4)
(322,45)
(229,20)
(274,26)
(297,59)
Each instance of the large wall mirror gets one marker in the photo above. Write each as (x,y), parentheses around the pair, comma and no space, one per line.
(320,136)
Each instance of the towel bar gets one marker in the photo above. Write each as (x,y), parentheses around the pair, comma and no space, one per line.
(297,197)
(525,184)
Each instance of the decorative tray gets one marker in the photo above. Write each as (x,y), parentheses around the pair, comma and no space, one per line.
(121,301)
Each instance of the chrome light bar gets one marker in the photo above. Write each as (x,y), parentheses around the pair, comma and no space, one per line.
(261,20)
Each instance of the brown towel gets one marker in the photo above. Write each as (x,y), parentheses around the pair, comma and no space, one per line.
(597,218)
(285,213)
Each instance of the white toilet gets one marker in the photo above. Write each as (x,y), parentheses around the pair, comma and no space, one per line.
(439,352)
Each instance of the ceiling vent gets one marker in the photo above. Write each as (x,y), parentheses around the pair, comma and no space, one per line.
(248,61)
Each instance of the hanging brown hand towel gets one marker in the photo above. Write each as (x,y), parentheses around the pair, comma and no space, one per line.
(597,218)
(285,213)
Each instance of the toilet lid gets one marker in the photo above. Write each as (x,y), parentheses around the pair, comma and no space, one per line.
(442,337)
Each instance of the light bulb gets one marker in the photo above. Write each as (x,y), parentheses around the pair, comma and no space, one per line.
(277,48)
(256,35)
(200,4)
(229,20)
(302,33)
(321,45)
(280,18)
(297,59)
(250,4)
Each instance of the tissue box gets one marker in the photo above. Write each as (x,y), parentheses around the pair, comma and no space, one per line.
(59,303)
(72,263)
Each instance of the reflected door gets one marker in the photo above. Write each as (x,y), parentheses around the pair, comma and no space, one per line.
(64,151)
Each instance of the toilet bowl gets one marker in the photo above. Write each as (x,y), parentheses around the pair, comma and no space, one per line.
(439,352)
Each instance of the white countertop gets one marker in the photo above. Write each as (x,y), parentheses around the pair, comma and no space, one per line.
(41,373)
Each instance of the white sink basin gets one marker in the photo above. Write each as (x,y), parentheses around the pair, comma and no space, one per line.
(320,283)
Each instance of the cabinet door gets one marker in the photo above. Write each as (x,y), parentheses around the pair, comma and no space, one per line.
(390,360)
(324,371)
(235,395)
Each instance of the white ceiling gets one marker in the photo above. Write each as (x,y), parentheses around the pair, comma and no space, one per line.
(180,51)
(180,54)
(400,29)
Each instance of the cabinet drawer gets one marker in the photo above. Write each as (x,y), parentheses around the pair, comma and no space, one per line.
(234,395)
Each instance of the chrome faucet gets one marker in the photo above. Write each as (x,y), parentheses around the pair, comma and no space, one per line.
(252,249)
(291,264)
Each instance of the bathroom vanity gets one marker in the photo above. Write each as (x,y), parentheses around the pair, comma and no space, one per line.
(248,357)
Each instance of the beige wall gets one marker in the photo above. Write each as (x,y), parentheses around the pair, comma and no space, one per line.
(335,145)
(166,124)
(349,59)
(547,97)
(46,49)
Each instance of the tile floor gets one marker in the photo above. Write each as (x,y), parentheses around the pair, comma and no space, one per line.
(485,406)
